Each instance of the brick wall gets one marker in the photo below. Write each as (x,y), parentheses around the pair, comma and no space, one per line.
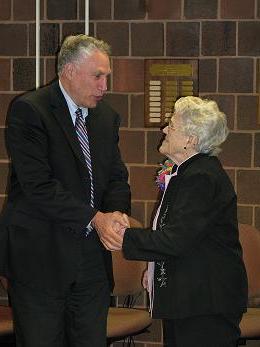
(222,34)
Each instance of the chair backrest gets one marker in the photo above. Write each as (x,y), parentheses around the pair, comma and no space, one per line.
(3,281)
(127,273)
(250,240)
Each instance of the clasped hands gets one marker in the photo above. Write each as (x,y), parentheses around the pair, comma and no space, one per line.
(110,228)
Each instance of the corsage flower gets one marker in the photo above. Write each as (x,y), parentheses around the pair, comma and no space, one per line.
(165,169)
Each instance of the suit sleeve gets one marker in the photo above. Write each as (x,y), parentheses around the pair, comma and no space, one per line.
(27,143)
(188,221)
(117,196)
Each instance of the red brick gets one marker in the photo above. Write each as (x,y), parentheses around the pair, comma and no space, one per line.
(237,9)
(24,74)
(200,9)
(128,75)
(5,100)
(207,75)
(245,214)
(134,9)
(4,170)
(119,102)
(248,112)
(5,74)
(25,10)
(50,71)
(117,35)
(18,44)
(132,146)
(236,75)
(141,34)
(137,111)
(98,9)
(182,39)
(248,186)
(61,9)
(3,153)
(164,9)
(74,28)
(248,38)
(154,139)
(257,150)
(5,9)
(138,211)
(49,36)
(219,38)
(226,104)
(142,181)
(237,150)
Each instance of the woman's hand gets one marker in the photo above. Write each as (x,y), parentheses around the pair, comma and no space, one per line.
(145,280)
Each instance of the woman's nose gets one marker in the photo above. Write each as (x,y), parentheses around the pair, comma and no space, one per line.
(165,130)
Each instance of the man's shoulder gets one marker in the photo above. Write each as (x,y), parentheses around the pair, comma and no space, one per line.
(42,94)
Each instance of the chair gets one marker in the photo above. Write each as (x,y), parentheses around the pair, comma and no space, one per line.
(6,321)
(127,321)
(250,241)
(122,321)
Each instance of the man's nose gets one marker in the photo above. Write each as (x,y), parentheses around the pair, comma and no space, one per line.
(103,84)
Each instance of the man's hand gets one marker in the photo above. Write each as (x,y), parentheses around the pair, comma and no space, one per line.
(110,228)
(119,228)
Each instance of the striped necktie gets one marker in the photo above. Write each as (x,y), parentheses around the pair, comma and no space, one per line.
(84,143)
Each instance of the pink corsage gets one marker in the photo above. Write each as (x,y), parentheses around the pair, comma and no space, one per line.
(166,168)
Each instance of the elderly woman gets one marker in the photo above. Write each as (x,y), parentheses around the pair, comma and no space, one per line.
(197,280)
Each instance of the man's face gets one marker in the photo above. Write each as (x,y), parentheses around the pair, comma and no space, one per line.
(88,79)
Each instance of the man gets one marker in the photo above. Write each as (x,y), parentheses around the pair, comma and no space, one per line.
(67,179)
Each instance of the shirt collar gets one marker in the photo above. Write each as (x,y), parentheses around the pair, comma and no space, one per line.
(71,104)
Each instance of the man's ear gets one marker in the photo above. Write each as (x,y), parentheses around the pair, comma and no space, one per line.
(69,71)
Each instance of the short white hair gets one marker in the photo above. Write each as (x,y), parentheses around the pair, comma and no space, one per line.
(74,47)
(203,119)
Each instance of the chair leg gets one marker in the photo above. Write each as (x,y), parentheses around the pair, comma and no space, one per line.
(241,342)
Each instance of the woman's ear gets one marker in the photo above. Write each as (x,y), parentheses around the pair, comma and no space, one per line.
(192,141)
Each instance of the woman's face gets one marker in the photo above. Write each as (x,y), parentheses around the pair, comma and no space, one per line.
(175,140)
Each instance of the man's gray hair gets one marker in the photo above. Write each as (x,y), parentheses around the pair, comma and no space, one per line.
(75,47)
(202,118)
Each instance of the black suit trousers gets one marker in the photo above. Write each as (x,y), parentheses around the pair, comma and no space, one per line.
(202,331)
(75,318)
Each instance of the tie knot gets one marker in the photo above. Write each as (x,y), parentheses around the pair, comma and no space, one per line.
(78,112)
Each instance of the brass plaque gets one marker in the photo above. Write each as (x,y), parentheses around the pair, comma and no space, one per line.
(165,81)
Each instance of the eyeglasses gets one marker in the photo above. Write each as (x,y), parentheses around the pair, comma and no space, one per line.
(171,125)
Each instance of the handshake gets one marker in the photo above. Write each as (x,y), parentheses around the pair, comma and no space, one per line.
(111,228)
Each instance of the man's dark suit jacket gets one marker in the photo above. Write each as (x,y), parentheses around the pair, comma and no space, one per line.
(198,258)
(49,192)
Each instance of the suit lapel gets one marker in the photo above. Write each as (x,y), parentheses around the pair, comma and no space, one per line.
(62,115)
(92,124)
